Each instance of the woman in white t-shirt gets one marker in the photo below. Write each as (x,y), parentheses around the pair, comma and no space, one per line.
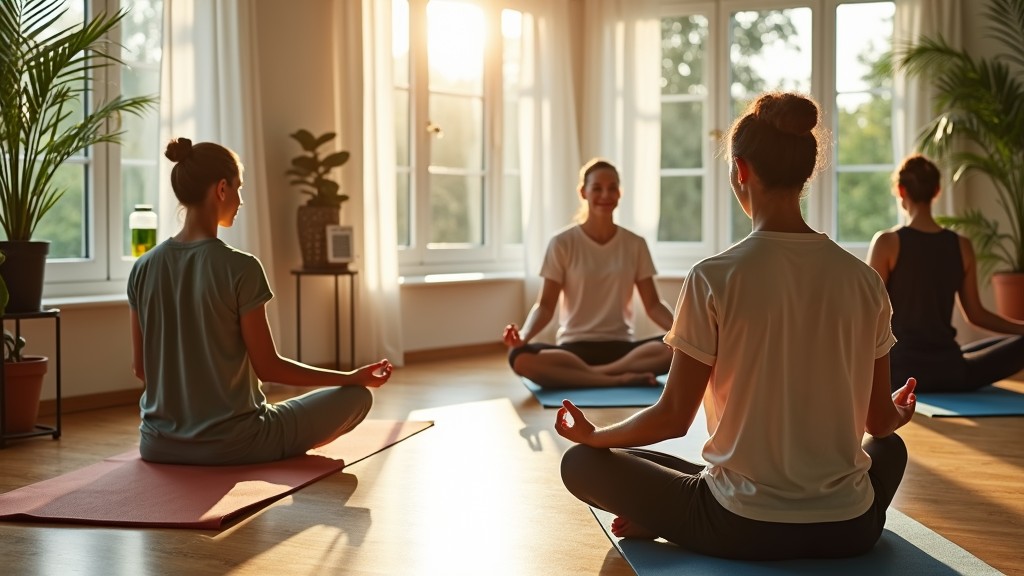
(785,338)
(594,266)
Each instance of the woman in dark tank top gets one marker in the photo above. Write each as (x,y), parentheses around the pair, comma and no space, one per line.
(925,267)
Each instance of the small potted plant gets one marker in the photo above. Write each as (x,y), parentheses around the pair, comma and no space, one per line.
(23,385)
(311,174)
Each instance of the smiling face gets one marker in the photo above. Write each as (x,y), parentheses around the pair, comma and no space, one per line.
(601,192)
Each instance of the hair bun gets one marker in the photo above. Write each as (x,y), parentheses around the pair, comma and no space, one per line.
(788,112)
(179,149)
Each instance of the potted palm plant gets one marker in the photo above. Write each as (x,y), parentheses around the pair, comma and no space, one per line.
(979,128)
(311,174)
(46,70)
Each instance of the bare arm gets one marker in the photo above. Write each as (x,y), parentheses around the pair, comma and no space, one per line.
(970,302)
(136,328)
(887,412)
(656,308)
(670,417)
(272,367)
(882,254)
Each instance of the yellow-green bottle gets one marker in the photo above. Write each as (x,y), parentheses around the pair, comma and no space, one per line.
(142,223)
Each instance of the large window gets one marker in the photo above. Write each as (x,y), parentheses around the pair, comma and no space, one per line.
(456,69)
(88,227)
(716,57)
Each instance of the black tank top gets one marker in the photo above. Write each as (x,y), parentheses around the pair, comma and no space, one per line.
(922,288)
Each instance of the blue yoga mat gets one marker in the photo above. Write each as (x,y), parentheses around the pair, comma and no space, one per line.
(605,397)
(906,548)
(987,401)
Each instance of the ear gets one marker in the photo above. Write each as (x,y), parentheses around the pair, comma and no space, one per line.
(222,188)
(901,191)
(742,169)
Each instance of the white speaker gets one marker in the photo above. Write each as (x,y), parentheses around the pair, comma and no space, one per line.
(339,244)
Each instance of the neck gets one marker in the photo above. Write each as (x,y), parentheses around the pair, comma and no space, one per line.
(197,226)
(599,229)
(919,217)
(778,211)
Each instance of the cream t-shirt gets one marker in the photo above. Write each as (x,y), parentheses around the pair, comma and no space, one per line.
(597,283)
(792,324)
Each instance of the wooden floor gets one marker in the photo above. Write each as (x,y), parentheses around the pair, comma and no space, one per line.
(478,493)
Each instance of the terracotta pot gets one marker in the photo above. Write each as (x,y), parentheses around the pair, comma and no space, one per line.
(312,224)
(23,384)
(1008,288)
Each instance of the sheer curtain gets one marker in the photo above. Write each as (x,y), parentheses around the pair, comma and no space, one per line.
(622,102)
(209,91)
(549,149)
(366,119)
(912,106)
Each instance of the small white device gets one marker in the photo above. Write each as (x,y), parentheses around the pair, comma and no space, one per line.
(339,244)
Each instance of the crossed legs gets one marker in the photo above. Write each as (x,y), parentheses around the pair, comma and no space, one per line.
(557,368)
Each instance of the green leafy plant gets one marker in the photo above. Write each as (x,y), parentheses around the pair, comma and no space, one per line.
(46,70)
(310,171)
(979,126)
(13,347)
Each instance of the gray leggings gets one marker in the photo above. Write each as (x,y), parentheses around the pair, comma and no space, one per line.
(665,494)
(285,429)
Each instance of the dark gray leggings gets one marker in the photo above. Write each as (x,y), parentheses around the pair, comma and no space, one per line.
(665,494)
(984,362)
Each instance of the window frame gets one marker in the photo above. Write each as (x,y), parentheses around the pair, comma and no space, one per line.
(822,196)
(493,255)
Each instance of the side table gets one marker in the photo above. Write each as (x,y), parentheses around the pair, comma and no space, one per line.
(39,430)
(336,273)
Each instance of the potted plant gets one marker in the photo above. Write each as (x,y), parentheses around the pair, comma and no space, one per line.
(979,128)
(45,73)
(311,174)
(23,385)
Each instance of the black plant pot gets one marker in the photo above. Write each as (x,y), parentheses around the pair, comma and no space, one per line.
(23,271)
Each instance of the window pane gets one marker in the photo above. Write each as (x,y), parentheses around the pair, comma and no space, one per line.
(769,50)
(512,211)
(681,209)
(456,208)
(140,143)
(460,143)
(864,134)
(65,225)
(400,42)
(455,51)
(865,205)
(683,45)
(402,127)
(403,209)
(863,34)
(682,134)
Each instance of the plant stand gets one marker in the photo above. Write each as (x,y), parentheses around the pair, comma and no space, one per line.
(336,272)
(40,430)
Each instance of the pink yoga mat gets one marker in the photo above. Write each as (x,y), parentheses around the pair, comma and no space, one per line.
(124,490)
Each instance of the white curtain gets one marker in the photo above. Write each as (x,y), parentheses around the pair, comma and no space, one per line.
(366,126)
(549,149)
(913,96)
(209,91)
(621,118)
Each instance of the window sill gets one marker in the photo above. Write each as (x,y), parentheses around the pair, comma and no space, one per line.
(82,302)
(459,278)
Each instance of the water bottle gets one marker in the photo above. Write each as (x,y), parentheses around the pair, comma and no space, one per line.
(142,223)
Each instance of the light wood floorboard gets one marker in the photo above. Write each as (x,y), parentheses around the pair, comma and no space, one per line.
(478,493)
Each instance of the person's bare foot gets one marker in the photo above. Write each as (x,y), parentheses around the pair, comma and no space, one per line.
(637,379)
(623,528)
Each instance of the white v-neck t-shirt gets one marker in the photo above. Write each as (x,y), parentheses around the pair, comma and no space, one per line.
(597,283)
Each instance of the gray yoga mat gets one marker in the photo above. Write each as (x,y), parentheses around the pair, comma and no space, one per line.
(907,548)
(987,401)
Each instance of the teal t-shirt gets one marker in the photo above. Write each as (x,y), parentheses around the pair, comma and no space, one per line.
(200,387)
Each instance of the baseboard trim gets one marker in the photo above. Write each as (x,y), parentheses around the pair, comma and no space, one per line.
(435,354)
(90,402)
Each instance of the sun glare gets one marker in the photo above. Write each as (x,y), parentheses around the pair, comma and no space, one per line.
(456,35)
